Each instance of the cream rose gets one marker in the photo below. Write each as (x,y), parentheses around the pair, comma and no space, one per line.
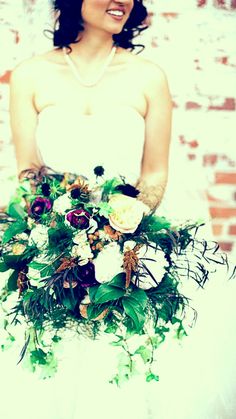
(127,213)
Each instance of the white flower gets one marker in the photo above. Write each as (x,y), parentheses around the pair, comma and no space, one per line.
(80,237)
(108,263)
(93,225)
(39,237)
(129,245)
(157,267)
(62,204)
(83,252)
(104,236)
(22,236)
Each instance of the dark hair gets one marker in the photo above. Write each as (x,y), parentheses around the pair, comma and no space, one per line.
(69,24)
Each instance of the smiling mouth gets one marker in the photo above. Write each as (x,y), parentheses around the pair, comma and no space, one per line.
(116,14)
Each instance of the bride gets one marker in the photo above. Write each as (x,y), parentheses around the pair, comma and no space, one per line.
(91,101)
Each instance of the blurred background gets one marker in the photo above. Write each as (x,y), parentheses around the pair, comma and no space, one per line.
(194,42)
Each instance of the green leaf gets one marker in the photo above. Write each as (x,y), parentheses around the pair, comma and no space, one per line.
(14,261)
(145,353)
(93,311)
(110,185)
(118,281)
(3,267)
(150,376)
(44,269)
(140,296)
(69,302)
(15,210)
(92,292)
(154,223)
(107,293)
(135,311)
(104,209)
(15,228)
(12,281)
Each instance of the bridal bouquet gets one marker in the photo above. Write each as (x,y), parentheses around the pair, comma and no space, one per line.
(89,255)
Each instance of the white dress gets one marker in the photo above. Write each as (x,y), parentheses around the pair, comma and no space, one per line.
(197,377)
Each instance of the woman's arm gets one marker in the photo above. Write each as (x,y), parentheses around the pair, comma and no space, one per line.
(154,171)
(23,116)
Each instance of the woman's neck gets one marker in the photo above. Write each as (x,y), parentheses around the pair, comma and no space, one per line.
(92,46)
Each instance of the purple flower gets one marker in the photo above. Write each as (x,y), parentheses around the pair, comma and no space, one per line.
(78,218)
(86,275)
(40,206)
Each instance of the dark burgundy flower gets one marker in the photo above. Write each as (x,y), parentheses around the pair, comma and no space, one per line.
(128,190)
(45,189)
(86,275)
(75,193)
(99,171)
(78,218)
(40,206)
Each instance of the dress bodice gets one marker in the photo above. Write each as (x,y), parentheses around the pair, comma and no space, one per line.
(69,141)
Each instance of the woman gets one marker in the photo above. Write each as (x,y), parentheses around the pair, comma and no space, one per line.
(47,83)
(72,109)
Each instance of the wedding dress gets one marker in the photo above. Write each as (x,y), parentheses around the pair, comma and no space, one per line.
(197,376)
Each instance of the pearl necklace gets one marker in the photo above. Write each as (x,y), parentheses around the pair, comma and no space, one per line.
(76,73)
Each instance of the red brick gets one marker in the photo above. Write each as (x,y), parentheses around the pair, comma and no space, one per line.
(191,156)
(201,3)
(233,4)
(5,78)
(226,178)
(219,3)
(210,159)
(211,198)
(169,15)
(193,144)
(232,230)
(221,212)
(226,246)
(217,229)
(192,105)
(228,105)
(223,60)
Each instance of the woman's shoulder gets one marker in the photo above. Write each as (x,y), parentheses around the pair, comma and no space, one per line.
(29,66)
(149,69)
(148,72)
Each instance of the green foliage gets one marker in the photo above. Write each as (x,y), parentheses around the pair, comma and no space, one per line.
(109,187)
(150,377)
(135,311)
(104,209)
(45,269)
(153,223)
(60,237)
(107,293)
(93,311)
(118,281)
(15,228)
(15,210)
(12,281)
(145,353)
(3,267)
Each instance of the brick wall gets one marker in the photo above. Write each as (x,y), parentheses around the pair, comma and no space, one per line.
(193,41)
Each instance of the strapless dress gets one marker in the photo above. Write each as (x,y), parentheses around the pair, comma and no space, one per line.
(197,376)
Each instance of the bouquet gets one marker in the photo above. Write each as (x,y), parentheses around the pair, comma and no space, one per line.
(89,256)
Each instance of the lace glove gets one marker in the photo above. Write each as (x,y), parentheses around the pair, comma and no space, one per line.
(151,193)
